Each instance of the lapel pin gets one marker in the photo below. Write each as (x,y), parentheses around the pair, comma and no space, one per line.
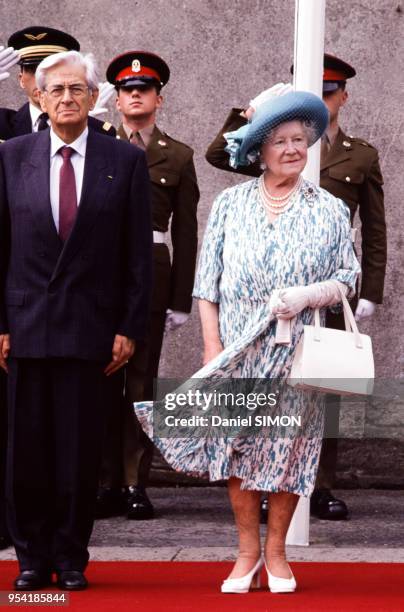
(110,177)
(162,143)
(346,144)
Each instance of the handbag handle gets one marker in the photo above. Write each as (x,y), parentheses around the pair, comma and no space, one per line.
(350,323)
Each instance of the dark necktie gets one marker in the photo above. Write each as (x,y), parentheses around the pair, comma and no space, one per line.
(43,121)
(67,194)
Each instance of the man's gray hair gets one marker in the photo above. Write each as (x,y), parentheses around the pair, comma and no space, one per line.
(73,58)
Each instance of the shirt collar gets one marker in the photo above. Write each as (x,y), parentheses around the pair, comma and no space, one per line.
(145,133)
(79,145)
(35,113)
(332,134)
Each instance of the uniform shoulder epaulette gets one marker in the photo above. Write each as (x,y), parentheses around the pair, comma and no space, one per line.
(106,126)
(362,142)
(178,142)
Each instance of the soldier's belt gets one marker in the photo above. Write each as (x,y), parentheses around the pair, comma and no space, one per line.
(159,237)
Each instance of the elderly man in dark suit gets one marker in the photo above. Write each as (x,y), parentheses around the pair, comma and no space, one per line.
(28,47)
(75,267)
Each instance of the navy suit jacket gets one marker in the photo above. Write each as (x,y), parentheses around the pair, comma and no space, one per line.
(17,123)
(70,299)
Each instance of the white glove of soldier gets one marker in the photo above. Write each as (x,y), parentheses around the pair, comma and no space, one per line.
(174,319)
(280,89)
(364,310)
(106,91)
(8,58)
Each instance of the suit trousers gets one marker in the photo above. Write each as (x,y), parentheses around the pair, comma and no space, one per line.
(57,417)
(128,451)
(3,447)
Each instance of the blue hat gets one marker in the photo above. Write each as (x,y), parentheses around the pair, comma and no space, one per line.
(245,143)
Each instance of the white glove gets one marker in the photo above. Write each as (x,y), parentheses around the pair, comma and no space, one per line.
(8,58)
(287,303)
(106,91)
(174,319)
(280,89)
(364,310)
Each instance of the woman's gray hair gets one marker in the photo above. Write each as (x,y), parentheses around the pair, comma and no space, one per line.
(68,57)
(309,129)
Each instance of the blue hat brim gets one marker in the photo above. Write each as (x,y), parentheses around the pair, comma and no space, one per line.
(296,105)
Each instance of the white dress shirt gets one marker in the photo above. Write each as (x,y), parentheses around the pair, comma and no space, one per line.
(56,160)
(35,113)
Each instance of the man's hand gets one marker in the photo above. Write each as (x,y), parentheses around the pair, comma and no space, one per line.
(106,90)
(4,350)
(122,351)
(174,319)
(364,310)
(8,57)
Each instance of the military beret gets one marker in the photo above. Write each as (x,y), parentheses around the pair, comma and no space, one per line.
(137,68)
(37,42)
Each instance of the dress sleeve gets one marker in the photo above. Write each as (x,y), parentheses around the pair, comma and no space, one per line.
(210,265)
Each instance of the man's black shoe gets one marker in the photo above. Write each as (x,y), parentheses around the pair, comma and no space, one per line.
(325,506)
(5,541)
(264,510)
(72,580)
(139,506)
(110,502)
(32,580)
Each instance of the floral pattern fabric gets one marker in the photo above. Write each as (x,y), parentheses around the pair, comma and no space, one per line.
(244,258)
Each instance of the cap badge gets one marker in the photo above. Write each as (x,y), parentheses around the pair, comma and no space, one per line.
(38,37)
(162,143)
(136,66)
(346,144)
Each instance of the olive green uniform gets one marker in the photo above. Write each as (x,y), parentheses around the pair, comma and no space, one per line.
(175,196)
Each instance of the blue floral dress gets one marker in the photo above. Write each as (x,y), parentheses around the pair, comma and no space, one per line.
(244,258)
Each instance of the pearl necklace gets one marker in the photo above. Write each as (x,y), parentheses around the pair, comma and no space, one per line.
(277,205)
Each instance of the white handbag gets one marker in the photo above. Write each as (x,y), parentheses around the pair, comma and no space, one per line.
(333,360)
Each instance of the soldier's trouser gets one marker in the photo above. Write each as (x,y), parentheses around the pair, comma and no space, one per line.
(128,452)
(329,453)
(329,450)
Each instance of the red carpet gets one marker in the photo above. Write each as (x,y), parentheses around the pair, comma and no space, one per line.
(185,587)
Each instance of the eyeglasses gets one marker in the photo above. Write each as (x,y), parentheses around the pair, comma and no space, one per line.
(76,91)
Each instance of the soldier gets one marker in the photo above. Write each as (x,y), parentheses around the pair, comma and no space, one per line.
(33,44)
(349,170)
(138,78)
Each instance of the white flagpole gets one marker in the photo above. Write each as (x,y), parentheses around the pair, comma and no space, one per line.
(307,76)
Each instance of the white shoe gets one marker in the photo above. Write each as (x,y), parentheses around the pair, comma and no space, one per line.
(281,585)
(243,584)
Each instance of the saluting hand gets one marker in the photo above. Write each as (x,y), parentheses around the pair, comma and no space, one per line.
(4,350)
(8,57)
(122,351)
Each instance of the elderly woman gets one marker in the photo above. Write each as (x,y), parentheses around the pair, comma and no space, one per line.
(274,248)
